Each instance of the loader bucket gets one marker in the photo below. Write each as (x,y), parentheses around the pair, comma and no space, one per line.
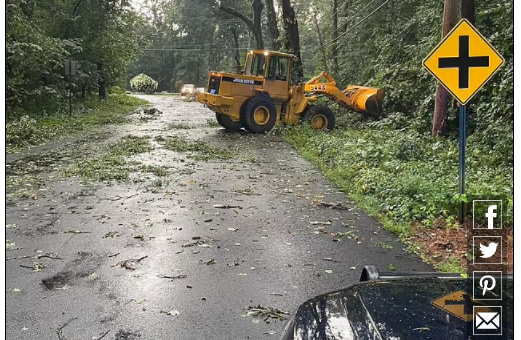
(365,99)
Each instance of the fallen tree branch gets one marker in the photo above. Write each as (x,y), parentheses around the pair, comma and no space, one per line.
(59,330)
(181,276)
(76,232)
(338,206)
(226,206)
(51,256)
(192,244)
(129,264)
(103,335)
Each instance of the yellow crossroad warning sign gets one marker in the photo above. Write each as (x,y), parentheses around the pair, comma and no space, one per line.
(458,304)
(463,61)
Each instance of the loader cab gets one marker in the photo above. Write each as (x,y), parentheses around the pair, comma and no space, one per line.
(274,67)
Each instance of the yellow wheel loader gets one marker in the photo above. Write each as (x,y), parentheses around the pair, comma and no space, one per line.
(263,95)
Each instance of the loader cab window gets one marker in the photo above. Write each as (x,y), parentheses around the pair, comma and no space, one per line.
(247,67)
(257,65)
(278,68)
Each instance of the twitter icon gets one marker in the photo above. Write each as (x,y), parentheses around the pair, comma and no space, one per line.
(490,251)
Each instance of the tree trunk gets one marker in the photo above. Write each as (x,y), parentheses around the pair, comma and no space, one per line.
(197,74)
(272,25)
(347,9)
(164,77)
(320,42)
(257,32)
(237,56)
(73,14)
(173,72)
(292,35)
(468,10)
(102,91)
(257,6)
(450,19)
(334,50)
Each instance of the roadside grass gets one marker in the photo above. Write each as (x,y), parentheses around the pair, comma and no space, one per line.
(31,131)
(402,177)
(113,165)
(450,265)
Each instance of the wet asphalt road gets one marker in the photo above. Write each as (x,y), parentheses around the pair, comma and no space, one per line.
(270,249)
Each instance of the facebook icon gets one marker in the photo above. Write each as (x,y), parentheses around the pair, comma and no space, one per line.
(487,214)
(490,215)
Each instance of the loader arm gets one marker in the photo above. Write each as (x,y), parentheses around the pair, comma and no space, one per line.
(362,99)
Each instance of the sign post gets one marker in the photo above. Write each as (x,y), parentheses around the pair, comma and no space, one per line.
(70,70)
(463,62)
(462,144)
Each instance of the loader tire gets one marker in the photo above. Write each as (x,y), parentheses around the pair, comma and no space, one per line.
(259,115)
(320,117)
(228,123)
(241,114)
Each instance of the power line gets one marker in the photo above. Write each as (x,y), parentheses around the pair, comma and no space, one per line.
(367,5)
(197,46)
(213,20)
(207,18)
(338,8)
(198,49)
(345,3)
(360,11)
(352,27)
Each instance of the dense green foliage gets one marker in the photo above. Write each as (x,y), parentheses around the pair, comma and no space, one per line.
(188,39)
(386,50)
(143,83)
(402,174)
(42,35)
(392,165)
(29,131)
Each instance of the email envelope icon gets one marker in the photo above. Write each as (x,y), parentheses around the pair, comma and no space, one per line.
(488,320)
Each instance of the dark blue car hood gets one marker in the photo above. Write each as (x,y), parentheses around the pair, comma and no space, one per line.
(390,309)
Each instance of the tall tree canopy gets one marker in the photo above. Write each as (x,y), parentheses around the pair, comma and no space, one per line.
(377,42)
(40,35)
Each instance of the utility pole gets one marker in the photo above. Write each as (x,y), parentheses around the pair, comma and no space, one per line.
(70,89)
(450,19)
(70,70)
(468,10)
